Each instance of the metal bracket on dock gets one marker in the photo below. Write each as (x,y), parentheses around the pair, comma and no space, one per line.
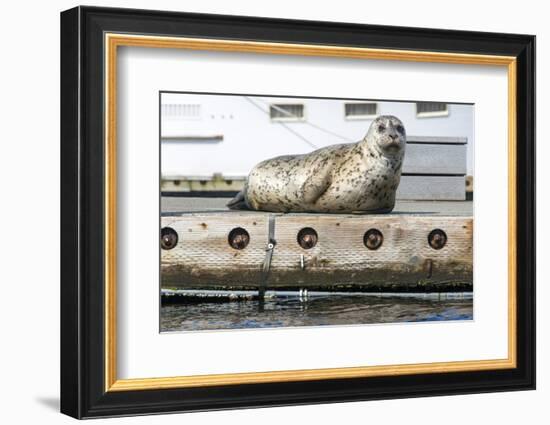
(271,242)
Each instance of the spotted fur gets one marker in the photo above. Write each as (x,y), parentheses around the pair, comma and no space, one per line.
(346,178)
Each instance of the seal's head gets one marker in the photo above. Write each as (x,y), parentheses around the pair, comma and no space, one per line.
(387,136)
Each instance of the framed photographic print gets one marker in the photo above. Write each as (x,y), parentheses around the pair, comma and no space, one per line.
(261,212)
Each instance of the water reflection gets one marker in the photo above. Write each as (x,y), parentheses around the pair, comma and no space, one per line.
(284,311)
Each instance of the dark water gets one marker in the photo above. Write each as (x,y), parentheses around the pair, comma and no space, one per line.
(315,311)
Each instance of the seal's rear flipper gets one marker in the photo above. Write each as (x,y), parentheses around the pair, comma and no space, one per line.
(238,202)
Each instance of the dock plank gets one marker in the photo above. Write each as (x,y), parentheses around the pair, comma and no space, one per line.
(435,159)
(449,140)
(183,204)
(204,259)
(448,188)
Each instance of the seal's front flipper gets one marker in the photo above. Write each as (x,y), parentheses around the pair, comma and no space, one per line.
(238,202)
(314,187)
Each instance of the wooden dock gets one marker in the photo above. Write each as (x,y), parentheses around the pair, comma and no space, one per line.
(421,247)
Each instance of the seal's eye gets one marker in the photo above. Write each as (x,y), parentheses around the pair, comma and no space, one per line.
(381,128)
(400,129)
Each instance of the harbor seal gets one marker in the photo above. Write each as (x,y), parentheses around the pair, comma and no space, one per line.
(357,177)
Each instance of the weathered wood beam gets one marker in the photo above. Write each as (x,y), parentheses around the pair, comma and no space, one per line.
(204,258)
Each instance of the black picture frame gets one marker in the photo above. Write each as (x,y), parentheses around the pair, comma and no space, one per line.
(83,392)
